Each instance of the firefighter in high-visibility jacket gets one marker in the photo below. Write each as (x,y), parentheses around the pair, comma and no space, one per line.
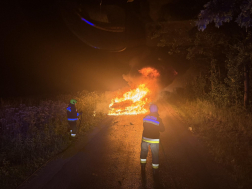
(153,125)
(72,117)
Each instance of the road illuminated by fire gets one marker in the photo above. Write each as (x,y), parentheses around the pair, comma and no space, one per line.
(109,158)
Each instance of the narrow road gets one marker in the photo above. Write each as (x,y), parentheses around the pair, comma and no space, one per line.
(109,157)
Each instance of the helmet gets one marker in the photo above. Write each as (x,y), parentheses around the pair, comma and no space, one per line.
(73,101)
(153,108)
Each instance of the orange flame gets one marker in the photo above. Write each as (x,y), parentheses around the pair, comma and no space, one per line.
(132,102)
(135,100)
(149,72)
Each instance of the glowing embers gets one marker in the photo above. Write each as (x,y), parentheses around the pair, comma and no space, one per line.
(132,102)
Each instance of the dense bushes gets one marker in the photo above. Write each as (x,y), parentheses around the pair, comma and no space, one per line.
(31,134)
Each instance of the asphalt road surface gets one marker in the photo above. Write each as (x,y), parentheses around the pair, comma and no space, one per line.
(109,157)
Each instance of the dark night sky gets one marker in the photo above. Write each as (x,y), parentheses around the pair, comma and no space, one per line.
(40,55)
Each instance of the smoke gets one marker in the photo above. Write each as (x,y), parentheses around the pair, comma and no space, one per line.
(105,99)
(167,66)
(181,80)
(154,72)
(148,76)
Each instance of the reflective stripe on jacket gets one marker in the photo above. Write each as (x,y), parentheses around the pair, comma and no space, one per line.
(150,140)
(153,125)
(72,119)
(72,113)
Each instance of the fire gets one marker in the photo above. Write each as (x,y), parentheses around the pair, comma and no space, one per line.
(135,100)
(149,72)
(132,102)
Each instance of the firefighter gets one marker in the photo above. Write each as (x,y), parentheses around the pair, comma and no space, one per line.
(153,125)
(72,117)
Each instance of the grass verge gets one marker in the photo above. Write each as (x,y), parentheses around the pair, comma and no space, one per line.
(227,133)
(32,133)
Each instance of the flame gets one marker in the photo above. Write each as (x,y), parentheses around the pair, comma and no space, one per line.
(149,72)
(132,102)
(135,100)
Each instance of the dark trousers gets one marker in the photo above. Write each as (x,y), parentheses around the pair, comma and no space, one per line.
(72,126)
(154,150)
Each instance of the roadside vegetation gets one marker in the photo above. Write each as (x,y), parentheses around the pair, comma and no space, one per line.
(32,131)
(216,100)
(225,130)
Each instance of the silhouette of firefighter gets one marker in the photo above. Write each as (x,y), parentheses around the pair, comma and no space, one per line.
(72,117)
(152,125)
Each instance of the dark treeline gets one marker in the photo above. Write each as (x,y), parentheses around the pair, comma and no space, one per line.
(219,49)
(215,100)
